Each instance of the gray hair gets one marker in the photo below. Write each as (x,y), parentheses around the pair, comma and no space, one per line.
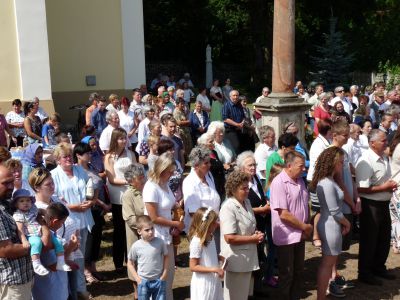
(109,115)
(374,135)
(202,140)
(338,88)
(148,108)
(233,91)
(214,125)
(198,155)
(242,157)
(393,109)
(199,102)
(93,96)
(133,171)
(263,131)
(354,87)
(265,88)
(325,95)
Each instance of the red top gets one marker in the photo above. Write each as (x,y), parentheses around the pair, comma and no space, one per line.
(322,115)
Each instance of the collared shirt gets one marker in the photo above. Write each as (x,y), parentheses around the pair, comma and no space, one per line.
(292,196)
(232,111)
(13,271)
(197,194)
(373,170)
(353,149)
(13,117)
(319,145)
(261,155)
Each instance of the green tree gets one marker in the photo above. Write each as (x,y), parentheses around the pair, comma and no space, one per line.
(333,62)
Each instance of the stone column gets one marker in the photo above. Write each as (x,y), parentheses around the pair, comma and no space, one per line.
(282,105)
(283,48)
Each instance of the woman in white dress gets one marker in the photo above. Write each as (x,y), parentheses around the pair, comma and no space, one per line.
(115,162)
(159,201)
(202,97)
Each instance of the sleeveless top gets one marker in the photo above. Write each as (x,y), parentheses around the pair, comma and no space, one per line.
(120,164)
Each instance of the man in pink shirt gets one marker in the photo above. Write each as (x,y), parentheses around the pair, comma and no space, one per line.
(290,227)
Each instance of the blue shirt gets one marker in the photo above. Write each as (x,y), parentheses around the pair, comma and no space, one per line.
(49,131)
(232,111)
(98,120)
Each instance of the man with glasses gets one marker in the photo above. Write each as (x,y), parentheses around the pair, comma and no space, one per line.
(16,273)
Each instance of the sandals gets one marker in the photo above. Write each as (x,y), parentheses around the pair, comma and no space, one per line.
(317,243)
(90,278)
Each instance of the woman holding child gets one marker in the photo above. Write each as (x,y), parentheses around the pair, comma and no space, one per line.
(159,201)
(70,186)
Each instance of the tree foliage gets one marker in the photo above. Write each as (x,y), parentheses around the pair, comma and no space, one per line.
(240,32)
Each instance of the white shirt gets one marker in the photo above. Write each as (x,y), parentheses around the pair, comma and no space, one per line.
(143,132)
(353,149)
(221,148)
(13,117)
(197,194)
(261,155)
(317,147)
(363,143)
(204,100)
(373,170)
(111,107)
(126,121)
(165,200)
(42,114)
(105,138)
(187,94)
(354,99)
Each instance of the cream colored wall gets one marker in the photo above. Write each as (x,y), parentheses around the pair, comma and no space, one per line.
(85,38)
(9,62)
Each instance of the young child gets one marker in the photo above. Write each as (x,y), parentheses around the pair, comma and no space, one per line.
(270,279)
(151,256)
(29,231)
(152,141)
(206,283)
(50,129)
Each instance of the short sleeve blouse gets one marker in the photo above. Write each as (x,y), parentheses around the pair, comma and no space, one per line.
(165,200)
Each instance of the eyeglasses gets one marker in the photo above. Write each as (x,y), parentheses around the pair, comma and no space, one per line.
(340,91)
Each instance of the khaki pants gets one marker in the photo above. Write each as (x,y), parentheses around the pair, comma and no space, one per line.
(16,292)
(237,285)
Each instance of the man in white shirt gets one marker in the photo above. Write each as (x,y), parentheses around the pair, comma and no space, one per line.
(112,119)
(354,90)
(136,104)
(186,78)
(41,113)
(264,150)
(264,94)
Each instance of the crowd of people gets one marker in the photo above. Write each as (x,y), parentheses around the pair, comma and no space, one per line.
(165,169)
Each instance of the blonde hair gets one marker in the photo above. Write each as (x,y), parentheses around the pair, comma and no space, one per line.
(112,97)
(62,149)
(276,169)
(12,164)
(37,176)
(152,140)
(55,117)
(164,162)
(202,219)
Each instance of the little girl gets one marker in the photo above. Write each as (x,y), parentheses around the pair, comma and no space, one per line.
(270,279)
(152,141)
(29,231)
(206,283)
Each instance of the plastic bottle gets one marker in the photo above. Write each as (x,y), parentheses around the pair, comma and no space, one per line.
(89,189)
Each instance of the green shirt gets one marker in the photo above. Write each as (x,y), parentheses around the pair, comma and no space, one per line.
(274,158)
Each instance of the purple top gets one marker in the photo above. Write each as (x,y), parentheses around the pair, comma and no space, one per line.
(292,196)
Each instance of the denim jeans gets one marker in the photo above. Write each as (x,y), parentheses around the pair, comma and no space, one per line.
(156,289)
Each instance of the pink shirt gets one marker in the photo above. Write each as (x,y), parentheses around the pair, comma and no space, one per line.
(292,196)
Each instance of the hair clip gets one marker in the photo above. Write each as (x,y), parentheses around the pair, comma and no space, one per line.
(206,213)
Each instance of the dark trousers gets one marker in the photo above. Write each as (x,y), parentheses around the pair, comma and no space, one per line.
(291,266)
(119,237)
(94,237)
(20,142)
(375,232)
(232,135)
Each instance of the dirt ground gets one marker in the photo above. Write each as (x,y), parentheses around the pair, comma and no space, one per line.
(117,286)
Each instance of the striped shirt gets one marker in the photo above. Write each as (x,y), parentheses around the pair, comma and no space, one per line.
(232,111)
(13,271)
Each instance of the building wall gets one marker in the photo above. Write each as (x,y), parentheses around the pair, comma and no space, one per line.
(85,38)
(9,61)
